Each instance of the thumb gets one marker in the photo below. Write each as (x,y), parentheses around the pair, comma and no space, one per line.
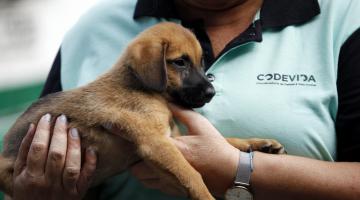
(194,122)
(184,145)
(178,143)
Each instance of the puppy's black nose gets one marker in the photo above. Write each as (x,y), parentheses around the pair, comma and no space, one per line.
(209,93)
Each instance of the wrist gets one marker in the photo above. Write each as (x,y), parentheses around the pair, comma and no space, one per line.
(240,189)
(229,169)
(232,166)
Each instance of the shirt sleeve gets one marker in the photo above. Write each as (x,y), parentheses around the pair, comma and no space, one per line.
(348,85)
(53,81)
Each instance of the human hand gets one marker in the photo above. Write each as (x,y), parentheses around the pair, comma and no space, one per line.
(50,167)
(204,148)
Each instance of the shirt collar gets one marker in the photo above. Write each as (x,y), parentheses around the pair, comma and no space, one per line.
(274,13)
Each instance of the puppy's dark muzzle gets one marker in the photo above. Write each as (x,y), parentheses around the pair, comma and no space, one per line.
(196,90)
(195,97)
(209,93)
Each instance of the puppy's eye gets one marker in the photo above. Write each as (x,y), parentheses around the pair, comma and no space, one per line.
(180,63)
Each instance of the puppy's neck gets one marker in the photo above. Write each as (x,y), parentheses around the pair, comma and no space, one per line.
(121,75)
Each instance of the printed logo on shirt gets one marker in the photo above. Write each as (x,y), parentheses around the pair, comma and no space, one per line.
(286,79)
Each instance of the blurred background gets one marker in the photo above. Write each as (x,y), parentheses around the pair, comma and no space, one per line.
(31,32)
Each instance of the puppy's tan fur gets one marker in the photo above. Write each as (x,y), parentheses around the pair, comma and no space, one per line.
(133,97)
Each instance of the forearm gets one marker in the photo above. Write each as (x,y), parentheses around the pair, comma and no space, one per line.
(290,177)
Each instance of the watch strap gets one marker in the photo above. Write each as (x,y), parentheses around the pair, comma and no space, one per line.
(245,168)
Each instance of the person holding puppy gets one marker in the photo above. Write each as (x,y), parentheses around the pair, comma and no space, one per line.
(282,69)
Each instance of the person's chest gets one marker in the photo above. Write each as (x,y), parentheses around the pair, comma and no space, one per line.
(283,88)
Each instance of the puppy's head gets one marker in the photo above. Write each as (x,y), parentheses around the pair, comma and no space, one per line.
(167,59)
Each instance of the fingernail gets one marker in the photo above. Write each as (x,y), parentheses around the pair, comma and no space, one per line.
(74,133)
(31,127)
(47,117)
(63,119)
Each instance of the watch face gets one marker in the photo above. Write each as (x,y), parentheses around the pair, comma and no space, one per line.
(238,193)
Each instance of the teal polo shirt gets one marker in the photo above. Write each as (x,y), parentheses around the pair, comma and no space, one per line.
(291,76)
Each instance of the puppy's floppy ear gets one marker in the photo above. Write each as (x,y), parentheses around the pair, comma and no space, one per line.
(147,60)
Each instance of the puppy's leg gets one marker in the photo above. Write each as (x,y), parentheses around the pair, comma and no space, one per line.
(255,144)
(160,152)
(148,132)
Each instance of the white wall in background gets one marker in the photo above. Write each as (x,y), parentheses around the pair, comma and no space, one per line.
(31,32)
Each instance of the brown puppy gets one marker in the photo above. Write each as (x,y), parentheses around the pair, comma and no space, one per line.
(162,64)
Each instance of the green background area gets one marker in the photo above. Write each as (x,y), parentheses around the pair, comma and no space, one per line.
(13,102)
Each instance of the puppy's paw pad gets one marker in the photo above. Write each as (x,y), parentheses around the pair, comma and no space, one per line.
(268,146)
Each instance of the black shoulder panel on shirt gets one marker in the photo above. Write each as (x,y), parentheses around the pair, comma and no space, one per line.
(348,85)
(53,81)
(282,13)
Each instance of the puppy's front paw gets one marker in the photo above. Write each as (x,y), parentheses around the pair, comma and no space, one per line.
(273,147)
(267,146)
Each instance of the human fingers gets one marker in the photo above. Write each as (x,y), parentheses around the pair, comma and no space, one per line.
(73,162)
(182,114)
(208,155)
(39,147)
(87,171)
(57,152)
(184,146)
(20,161)
(193,148)
(196,123)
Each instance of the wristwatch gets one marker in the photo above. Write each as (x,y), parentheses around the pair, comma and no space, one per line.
(241,188)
